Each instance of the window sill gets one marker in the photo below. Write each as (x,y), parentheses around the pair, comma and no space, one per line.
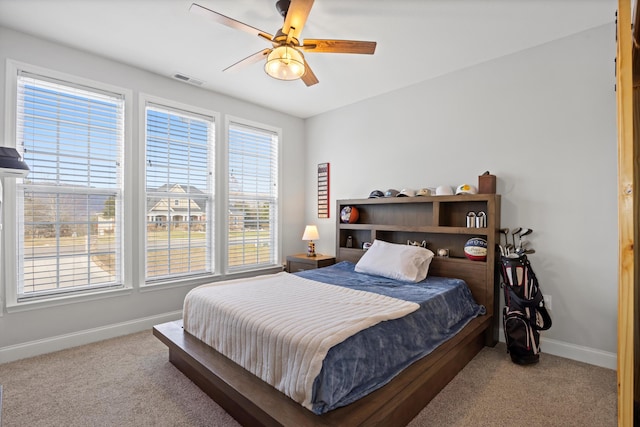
(54,301)
(201,280)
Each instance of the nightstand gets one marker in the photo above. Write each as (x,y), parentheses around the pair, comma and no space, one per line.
(302,262)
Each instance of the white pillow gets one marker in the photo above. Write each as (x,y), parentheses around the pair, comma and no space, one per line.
(401,262)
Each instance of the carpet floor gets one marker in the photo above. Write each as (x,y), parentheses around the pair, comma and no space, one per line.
(128,381)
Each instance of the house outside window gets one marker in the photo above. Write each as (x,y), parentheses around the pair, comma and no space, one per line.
(179,192)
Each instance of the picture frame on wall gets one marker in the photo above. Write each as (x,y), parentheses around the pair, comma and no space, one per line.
(323,190)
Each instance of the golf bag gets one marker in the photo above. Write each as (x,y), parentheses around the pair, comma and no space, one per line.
(524,314)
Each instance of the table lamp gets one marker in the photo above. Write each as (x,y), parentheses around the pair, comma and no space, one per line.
(311,234)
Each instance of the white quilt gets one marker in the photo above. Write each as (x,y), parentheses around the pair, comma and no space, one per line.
(280,327)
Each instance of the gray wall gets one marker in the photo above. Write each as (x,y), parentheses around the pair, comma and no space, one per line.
(28,332)
(544,121)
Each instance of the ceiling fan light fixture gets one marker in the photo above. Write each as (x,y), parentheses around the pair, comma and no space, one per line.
(285,63)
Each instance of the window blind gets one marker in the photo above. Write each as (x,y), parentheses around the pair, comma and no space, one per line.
(179,186)
(253,197)
(69,206)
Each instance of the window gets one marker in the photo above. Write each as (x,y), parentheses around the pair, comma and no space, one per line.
(69,207)
(253,197)
(80,224)
(179,192)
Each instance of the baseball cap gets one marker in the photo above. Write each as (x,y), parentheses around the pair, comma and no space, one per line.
(466,189)
(444,190)
(423,192)
(391,193)
(375,194)
(406,192)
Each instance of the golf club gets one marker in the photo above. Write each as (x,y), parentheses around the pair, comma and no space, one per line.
(508,247)
(505,232)
(513,235)
(525,232)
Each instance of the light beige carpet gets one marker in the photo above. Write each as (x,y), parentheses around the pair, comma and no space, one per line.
(128,381)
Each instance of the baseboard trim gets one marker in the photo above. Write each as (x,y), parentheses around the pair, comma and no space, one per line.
(579,353)
(61,342)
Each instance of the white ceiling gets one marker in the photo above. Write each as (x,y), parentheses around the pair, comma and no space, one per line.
(417,40)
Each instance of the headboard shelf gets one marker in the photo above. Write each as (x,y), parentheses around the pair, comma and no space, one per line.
(417,228)
(430,215)
(357,226)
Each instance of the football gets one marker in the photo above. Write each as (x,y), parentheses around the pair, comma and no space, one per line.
(349,214)
(476,249)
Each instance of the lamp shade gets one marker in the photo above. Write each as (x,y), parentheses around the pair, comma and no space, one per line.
(285,63)
(310,233)
(11,164)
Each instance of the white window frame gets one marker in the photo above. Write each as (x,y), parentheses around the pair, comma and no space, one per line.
(9,207)
(146,100)
(223,227)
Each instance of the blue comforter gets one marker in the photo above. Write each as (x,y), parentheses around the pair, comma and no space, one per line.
(373,357)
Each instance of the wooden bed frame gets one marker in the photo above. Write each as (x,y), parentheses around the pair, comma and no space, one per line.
(253,402)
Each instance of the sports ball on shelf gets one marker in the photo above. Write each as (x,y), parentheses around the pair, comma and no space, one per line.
(349,214)
(476,249)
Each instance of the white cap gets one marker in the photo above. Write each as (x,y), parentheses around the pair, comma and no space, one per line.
(424,192)
(406,192)
(444,190)
(466,189)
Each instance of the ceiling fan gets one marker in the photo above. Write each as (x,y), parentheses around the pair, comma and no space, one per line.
(285,60)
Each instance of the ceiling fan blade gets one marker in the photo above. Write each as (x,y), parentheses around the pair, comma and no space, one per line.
(338,46)
(296,17)
(229,22)
(308,77)
(251,59)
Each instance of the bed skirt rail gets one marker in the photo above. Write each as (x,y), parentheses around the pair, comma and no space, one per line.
(253,402)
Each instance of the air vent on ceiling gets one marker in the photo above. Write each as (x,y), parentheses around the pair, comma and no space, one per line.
(187,79)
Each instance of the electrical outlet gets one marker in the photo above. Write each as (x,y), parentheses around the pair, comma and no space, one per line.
(547,302)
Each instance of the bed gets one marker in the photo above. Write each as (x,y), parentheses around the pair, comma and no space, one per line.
(395,401)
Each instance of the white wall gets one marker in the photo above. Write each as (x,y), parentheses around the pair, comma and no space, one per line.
(28,332)
(544,121)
